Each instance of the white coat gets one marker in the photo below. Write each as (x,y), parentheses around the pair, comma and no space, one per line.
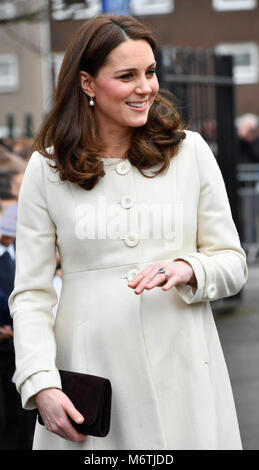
(160,349)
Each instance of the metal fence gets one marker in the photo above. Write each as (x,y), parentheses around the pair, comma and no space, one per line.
(248,200)
(11,129)
(204,90)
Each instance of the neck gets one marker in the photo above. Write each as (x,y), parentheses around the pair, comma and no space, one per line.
(116,142)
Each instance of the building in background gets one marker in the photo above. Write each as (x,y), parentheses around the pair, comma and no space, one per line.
(21,71)
(227,26)
(31,51)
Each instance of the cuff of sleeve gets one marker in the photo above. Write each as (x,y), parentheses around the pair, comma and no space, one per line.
(186,292)
(37,382)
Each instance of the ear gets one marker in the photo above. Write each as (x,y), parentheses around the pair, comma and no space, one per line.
(87,83)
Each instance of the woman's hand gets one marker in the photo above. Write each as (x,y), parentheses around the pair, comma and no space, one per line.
(177,272)
(54,406)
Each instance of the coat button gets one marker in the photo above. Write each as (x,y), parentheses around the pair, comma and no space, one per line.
(211,291)
(127,201)
(131,274)
(123,168)
(132,239)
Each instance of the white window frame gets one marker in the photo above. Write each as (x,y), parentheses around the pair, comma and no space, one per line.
(137,8)
(11,82)
(76,11)
(230,5)
(243,74)
(151,7)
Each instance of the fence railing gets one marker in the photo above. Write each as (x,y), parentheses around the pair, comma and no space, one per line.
(11,129)
(202,83)
(248,206)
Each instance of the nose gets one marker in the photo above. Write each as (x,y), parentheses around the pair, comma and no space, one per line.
(143,86)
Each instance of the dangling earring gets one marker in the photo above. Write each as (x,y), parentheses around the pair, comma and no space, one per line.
(91,102)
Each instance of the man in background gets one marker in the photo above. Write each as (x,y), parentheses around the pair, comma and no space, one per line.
(16,424)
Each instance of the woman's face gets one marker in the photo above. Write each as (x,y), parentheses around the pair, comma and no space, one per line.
(125,87)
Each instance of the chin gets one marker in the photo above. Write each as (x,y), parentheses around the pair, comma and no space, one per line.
(135,126)
(138,122)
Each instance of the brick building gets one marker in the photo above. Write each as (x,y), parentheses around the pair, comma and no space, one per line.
(227,26)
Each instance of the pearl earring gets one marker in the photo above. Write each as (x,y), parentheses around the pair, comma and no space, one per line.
(91,102)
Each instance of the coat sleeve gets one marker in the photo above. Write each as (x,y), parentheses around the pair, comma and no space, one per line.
(220,262)
(34,296)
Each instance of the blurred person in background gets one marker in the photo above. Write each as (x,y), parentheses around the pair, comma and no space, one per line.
(16,424)
(22,147)
(6,196)
(11,161)
(7,267)
(12,169)
(248,138)
(6,143)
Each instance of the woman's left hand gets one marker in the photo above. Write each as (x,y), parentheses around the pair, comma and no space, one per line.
(177,272)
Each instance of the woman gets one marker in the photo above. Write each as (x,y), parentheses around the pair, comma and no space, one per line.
(138,210)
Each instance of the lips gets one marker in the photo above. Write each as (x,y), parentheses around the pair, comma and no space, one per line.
(137,104)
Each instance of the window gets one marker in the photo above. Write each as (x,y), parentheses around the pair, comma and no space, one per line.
(76,9)
(234,4)
(245,61)
(63,10)
(151,7)
(9,77)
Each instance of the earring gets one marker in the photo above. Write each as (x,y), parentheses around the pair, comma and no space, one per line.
(91,102)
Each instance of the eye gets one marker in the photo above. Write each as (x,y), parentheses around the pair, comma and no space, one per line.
(151,72)
(129,75)
(126,76)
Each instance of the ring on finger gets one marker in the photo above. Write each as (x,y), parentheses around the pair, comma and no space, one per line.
(163,271)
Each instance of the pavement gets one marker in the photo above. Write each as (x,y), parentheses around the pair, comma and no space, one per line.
(238,327)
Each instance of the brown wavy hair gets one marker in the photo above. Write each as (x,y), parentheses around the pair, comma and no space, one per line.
(70,128)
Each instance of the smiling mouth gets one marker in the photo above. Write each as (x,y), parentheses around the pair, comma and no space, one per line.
(137,104)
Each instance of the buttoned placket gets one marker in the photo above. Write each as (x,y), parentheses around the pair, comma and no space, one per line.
(127,202)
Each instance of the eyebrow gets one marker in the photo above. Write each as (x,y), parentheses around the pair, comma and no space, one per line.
(133,69)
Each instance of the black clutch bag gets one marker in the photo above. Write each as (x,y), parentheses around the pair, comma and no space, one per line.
(91,396)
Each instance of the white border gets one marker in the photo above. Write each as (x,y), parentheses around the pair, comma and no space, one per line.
(230,5)
(76,11)
(137,7)
(151,7)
